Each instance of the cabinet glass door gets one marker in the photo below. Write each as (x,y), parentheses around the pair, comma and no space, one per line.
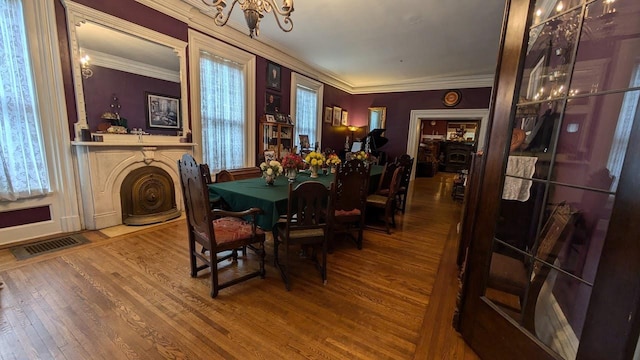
(570,125)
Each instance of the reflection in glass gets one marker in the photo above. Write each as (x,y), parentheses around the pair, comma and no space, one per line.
(594,138)
(523,283)
(548,57)
(609,47)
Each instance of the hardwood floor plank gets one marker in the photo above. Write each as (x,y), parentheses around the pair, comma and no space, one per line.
(131,297)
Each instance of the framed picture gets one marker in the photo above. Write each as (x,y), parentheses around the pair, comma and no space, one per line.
(281,118)
(291,120)
(304,141)
(337,116)
(272,104)
(273,76)
(270,118)
(163,112)
(328,114)
(344,118)
(269,155)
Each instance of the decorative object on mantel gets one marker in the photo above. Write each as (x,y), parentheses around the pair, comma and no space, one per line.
(451,98)
(271,171)
(253,12)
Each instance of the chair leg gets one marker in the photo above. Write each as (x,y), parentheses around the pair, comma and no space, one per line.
(285,269)
(192,258)
(262,254)
(324,262)
(214,276)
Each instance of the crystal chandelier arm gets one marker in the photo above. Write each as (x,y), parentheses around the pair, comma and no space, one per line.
(220,19)
(286,13)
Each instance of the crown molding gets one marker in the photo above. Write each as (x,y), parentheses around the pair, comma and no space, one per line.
(193,12)
(130,66)
(432,83)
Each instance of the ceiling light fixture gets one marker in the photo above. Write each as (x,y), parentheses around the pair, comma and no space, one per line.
(254,11)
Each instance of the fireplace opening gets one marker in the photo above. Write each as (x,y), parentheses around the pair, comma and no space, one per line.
(148,196)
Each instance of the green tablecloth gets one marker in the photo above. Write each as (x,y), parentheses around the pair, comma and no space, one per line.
(272,199)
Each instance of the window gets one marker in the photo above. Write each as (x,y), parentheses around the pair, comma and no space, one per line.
(224,93)
(24,172)
(306,103)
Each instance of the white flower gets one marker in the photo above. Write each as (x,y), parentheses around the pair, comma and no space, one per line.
(269,171)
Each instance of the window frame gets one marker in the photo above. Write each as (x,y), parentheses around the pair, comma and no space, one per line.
(298,79)
(200,42)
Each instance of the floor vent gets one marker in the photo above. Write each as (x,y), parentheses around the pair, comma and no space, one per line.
(47,246)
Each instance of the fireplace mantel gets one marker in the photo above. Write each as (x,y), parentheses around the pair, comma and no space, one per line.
(103,166)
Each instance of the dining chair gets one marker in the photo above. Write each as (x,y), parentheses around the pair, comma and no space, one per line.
(385,178)
(521,275)
(406,162)
(305,225)
(387,200)
(219,232)
(215,201)
(350,201)
(238,174)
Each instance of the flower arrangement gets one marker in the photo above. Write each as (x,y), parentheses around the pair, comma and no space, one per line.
(361,155)
(292,161)
(333,160)
(272,169)
(314,159)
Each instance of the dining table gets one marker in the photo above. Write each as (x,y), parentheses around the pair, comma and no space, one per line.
(243,194)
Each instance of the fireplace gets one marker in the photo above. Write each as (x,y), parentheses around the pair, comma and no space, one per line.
(128,182)
(457,156)
(147,197)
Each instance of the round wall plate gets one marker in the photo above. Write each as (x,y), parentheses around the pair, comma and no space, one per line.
(451,98)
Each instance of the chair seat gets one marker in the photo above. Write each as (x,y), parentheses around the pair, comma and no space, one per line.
(377,200)
(300,234)
(229,229)
(507,274)
(352,212)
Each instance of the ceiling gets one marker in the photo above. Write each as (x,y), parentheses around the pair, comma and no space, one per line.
(391,42)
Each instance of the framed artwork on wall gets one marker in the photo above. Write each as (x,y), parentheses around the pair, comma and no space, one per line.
(163,112)
(337,116)
(272,104)
(328,114)
(343,120)
(273,76)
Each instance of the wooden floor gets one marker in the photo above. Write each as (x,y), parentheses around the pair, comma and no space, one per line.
(131,297)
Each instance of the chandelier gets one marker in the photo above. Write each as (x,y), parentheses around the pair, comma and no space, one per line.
(254,11)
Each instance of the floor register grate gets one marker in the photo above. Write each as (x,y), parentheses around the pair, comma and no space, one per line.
(27,251)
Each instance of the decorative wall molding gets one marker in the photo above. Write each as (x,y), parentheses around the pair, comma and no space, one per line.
(130,66)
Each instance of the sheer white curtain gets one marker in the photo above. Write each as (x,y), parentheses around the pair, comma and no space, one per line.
(23,170)
(306,114)
(628,112)
(223,106)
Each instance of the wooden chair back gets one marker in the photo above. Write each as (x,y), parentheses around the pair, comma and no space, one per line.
(385,179)
(193,180)
(238,174)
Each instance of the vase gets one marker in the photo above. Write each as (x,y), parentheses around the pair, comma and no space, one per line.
(291,174)
(269,179)
(333,169)
(314,172)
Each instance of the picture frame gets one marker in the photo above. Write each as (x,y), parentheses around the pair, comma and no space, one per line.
(270,118)
(162,111)
(274,76)
(291,120)
(328,114)
(304,141)
(343,119)
(281,118)
(272,103)
(337,116)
